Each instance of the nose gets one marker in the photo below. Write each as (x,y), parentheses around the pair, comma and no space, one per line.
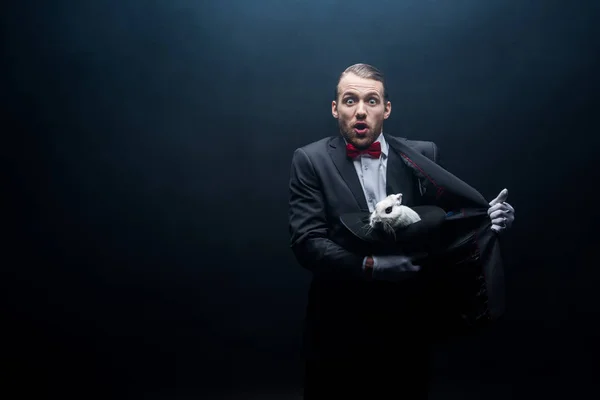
(361,110)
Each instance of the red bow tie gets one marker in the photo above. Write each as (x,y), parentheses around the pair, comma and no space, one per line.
(374,150)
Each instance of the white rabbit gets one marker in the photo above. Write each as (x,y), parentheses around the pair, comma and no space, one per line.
(390,214)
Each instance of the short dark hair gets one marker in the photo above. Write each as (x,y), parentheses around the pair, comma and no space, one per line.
(364,71)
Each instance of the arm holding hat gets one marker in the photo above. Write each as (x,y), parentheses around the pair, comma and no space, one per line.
(391,268)
(309,228)
(309,233)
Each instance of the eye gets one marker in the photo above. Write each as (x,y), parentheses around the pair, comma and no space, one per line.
(389,209)
(373,101)
(349,101)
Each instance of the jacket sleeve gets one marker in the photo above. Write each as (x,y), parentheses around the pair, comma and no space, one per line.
(308,225)
(435,155)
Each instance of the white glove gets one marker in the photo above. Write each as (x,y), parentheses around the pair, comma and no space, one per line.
(393,268)
(501,213)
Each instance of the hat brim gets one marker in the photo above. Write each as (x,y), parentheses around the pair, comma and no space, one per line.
(432,218)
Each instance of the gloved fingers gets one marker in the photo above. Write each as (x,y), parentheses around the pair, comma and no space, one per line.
(505,207)
(407,266)
(393,258)
(501,221)
(410,267)
(497,228)
(394,265)
(502,196)
(389,260)
(401,259)
(499,214)
(499,206)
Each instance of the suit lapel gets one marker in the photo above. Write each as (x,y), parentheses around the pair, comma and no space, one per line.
(399,179)
(392,185)
(444,186)
(337,151)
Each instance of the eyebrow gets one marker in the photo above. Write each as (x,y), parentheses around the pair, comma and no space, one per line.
(353,93)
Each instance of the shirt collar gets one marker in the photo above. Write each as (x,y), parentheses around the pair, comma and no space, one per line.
(384,145)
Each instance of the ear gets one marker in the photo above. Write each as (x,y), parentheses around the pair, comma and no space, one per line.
(399,197)
(388,110)
(334,110)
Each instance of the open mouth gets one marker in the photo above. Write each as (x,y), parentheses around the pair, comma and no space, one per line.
(360,128)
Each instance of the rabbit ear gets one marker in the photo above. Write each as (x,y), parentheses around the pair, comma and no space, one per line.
(399,197)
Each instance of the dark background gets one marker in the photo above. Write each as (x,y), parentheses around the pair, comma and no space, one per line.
(148,146)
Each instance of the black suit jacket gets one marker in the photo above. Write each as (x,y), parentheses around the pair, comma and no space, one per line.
(323,186)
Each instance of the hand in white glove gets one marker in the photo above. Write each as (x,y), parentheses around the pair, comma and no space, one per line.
(393,268)
(501,213)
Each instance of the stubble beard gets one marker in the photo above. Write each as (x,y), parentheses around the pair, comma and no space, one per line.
(360,142)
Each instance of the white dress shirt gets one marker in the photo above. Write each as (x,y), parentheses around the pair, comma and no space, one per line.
(372,173)
(372,176)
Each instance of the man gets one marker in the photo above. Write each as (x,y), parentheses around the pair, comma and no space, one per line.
(366,325)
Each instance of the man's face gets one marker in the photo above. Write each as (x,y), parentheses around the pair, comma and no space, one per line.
(360,109)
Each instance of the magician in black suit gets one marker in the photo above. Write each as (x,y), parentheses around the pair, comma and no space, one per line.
(371,318)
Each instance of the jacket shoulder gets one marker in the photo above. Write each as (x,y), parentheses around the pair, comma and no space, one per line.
(313,153)
(426,147)
(316,146)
